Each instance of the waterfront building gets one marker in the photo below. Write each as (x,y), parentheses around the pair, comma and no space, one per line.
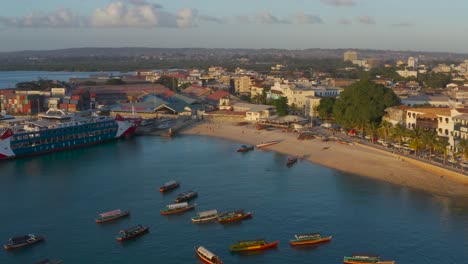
(242,84)
(396,115)
(254,112)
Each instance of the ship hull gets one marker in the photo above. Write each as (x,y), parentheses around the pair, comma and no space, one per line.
(310,242)
(255,248)
(33,143)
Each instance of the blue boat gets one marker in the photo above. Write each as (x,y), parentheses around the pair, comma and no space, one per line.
(58,131)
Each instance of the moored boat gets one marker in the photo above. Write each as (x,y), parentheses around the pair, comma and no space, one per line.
(22,241)
(111,215)
(58,131)
(268,143)
(234,216)
(251,245)
(308,239)
(205,216)
(291,160)
(365,259)
(207,256)
(185,196)
(132,232)
(177,208)
(245,148)
(169,186)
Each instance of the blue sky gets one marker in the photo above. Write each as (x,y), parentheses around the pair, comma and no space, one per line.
(425,25)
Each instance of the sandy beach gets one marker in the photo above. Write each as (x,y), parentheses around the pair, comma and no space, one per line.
(355,159)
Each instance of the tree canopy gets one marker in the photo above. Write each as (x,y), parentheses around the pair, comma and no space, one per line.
(281,105)
(169,82)
(362,103)
(325,108)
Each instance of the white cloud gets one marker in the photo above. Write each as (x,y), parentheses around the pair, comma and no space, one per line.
(268,18)
(339,2)
(302,18)
(367,20)
(123,13)
(58,18)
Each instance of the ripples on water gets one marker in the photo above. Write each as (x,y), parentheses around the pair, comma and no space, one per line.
(59,195)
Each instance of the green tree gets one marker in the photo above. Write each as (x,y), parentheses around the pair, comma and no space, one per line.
(281,105)
(416,141)
(183,86)
(441,147)
(398,133)
(462,147)
(325,108)
(434,80)
(169,82)
(429,140)
(384,131)
(363,102)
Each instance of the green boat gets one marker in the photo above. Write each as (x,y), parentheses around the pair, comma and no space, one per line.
(250,245)
(361,259)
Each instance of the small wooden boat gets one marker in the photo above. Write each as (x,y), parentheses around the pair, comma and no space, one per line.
(251,245)
(245,148)
(48,261)
(185,196)
(169,186)
(207,256)
(365,259)
(111,215)
(205,216)
(234,216)
(23,241)
(177,208)
(265,144)
(291,160)
(132,232)
(308,239)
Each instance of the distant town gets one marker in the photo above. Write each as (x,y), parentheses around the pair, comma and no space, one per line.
(430,97)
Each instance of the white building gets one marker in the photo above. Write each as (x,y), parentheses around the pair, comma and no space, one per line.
(413,63)
(254,112)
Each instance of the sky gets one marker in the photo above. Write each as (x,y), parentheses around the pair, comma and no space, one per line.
(417,25)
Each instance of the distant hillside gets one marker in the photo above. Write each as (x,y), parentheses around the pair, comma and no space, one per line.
(131,57)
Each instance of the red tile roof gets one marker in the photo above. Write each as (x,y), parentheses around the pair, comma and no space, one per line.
(217,95)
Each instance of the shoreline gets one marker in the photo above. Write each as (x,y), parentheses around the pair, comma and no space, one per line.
(355,159)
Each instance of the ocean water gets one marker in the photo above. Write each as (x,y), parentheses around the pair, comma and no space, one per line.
(59,195)
(8,79)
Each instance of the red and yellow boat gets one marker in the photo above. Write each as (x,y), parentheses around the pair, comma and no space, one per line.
(252,245)
(234,216)
(207,256)
(308,239)
(365,259)
(169,186)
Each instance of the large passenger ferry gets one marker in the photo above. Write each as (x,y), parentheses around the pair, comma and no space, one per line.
(56,131)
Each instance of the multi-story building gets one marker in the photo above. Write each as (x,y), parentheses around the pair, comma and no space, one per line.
(413,63)
(350,55)
(242,84)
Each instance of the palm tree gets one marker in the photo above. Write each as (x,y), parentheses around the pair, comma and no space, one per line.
(415,142)
(429,140)
(398,132)
(384,130)
(371,128)
(462,147)
(441,146)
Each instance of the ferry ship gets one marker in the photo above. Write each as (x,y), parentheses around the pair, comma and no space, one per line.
(57,131)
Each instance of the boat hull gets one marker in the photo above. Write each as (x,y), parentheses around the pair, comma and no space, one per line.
(141,232)
(360,262)
(255,248)
(168,188)
(266,144)
(310,242)
(235,218)
(204,220)
(206,260)
(177,211)
(109,219)
(25,244)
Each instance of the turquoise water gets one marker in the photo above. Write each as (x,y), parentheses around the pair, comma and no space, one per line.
(8,79)
(60,194)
